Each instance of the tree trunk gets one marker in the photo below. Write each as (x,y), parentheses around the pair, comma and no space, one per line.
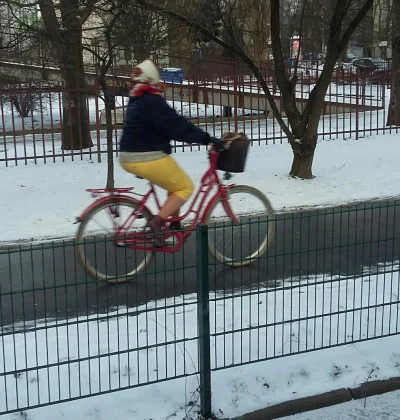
(302,166)
(17,106)
(63,23)
(303,151)
(394,106)
(109,104)
(110,149)
(393,118)
(76,124)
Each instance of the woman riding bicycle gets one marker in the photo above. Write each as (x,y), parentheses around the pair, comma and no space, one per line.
(145,148)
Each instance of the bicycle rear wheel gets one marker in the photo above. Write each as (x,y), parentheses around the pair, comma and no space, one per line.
(104,255)
(239,244)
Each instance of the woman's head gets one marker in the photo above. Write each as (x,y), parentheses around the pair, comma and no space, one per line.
(146,72)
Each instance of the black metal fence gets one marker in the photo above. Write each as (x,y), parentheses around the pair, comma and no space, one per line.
(330,278)
(354,108)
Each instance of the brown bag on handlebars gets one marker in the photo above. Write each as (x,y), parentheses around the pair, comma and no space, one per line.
(233,158)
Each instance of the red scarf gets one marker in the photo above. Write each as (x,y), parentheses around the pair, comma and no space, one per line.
(140,88)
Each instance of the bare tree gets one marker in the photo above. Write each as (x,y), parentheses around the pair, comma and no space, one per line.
(17,42)
(105,52)
(394,107)
(301,126)
(61,23)
(119,24)
(140,32)
(382,22)
(26,98)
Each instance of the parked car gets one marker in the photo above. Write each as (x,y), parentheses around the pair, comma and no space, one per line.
(374,69)
(349,58)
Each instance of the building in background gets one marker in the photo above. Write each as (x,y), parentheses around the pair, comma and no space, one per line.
(15,40)
(382,24)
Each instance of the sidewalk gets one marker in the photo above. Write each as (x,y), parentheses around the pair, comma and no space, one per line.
(379,407)
(55,194)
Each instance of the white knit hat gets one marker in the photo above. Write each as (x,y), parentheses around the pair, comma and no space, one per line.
(146,72)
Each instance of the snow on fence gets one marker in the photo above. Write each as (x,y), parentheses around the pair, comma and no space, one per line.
(34,126)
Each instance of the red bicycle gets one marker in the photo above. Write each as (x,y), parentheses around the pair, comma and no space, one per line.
(242,241)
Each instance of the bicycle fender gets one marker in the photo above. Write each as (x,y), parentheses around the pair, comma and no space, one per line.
(104,200)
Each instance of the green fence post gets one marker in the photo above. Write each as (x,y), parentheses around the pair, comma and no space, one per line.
(203,319)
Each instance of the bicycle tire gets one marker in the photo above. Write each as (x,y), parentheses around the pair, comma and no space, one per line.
(265,242)
(80,247)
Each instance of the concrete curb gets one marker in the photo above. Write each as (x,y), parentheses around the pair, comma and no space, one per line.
(375,388)
(27,242)
(338,396)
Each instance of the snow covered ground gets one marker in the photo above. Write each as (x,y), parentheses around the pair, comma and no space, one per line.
(43,200)
(383,407)
(277,322)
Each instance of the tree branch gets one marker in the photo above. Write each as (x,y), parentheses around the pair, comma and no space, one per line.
(19,5)
(28,28)
(238,51)
(336,47)
(87,11)
(300,41)
(50,20)
(353,26)
(285,85)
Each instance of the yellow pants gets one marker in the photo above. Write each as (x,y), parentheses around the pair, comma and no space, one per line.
(165,173)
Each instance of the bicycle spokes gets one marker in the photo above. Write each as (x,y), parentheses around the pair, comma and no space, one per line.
(226,203)
(128,223)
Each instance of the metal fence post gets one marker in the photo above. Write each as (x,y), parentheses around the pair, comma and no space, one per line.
(203,319)
(357,104)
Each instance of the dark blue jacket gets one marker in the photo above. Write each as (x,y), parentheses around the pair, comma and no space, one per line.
(150,125)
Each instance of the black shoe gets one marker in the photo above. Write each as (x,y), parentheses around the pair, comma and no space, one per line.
(176,226)
(157,225)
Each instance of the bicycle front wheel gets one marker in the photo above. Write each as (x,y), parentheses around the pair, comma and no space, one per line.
(239,244)
(100,252)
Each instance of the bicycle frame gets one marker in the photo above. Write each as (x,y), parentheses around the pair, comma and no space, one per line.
(198,206)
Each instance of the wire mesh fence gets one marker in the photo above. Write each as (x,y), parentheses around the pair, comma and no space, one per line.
(65,336)
(329,278)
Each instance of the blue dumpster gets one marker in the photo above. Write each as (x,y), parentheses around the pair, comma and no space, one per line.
(172,75)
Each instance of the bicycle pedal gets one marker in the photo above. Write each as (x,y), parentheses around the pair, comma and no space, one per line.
(174,237)
(165,247)
(121,245)
(170,242)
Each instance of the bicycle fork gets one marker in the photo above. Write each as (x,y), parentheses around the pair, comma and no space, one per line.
(228,208)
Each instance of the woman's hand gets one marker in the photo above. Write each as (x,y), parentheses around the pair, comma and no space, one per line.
(217,143)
